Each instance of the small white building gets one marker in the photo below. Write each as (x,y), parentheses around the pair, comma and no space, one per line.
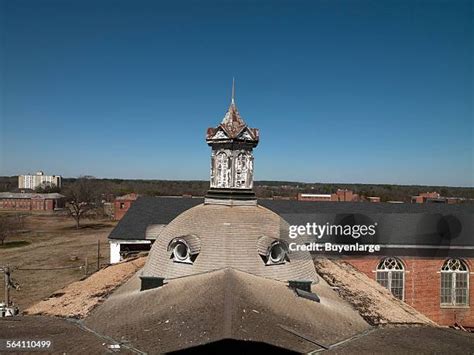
(143,222)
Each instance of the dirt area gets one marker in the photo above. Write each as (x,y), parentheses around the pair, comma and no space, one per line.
(374,302)
(53,254)
(79,298)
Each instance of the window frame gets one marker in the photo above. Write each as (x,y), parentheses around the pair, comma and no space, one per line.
(454,276)
(382,268)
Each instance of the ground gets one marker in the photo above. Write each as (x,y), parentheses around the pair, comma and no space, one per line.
(53,242)
(77,299)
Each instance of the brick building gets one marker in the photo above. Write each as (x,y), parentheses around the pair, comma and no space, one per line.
(122,204)
(435,197)
(436,286)
(31,201)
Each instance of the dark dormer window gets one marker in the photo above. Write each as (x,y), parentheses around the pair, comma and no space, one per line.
(273,251)
(277,253)
(184,249)
(181,252)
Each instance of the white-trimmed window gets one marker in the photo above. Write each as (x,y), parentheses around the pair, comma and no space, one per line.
(454,283)
(391,275)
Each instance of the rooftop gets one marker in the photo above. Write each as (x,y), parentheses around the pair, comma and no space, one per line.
(404,224)
(28,195)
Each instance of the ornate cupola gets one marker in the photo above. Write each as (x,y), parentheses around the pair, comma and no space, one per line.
(232,143)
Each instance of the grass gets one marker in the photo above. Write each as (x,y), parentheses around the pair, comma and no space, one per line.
(54,242)
(14,244)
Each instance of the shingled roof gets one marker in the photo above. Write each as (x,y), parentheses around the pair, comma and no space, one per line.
(228,238)
(146,211)
(225,304)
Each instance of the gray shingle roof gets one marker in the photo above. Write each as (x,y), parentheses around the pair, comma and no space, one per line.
(21,195)
(150,210)
(228,238)
(224,304)
(414,224)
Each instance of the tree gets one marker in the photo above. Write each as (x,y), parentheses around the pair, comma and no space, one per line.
(47,187)
(82,198)
(8,226)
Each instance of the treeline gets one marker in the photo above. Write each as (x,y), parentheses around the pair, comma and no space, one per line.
(264,189)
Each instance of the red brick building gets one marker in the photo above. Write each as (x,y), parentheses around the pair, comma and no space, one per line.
(122,204)
(31,201)
(434,197)
(437,287)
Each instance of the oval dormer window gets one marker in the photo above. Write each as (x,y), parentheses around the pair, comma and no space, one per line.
(181,251)
(277,253)
(184,249)
(272,250)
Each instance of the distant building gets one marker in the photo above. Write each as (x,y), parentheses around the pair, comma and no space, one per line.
(434,197)
(30,181)
(341,195)
(122,204)
(375,199)
(314,197)
(31,201)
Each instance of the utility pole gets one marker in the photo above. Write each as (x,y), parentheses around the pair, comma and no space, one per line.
(86,267)
(98,254)
(6,271)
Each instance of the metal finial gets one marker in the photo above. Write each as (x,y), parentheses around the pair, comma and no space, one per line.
(233,91)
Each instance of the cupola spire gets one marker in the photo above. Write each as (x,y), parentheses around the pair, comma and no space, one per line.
(232,143)
(232,102)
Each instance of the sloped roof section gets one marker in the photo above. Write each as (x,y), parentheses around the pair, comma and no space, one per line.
(225,304)
(146,211)
(233,128)
(20,195)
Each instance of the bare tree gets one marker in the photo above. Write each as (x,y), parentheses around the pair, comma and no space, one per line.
(47,187)
(8,226)
(82,198)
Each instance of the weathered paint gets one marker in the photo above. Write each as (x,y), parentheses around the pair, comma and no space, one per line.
(232,144)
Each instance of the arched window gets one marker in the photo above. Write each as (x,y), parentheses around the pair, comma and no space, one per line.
(454,283)
(222,170)
(391,274)
(241,170)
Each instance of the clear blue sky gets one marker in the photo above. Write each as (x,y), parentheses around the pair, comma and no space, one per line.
(342,91)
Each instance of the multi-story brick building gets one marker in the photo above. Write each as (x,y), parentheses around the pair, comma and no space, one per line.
(31,201)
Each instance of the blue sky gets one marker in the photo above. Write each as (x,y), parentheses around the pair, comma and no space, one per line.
(342,91)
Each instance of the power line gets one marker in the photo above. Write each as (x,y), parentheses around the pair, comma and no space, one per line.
(50,269)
